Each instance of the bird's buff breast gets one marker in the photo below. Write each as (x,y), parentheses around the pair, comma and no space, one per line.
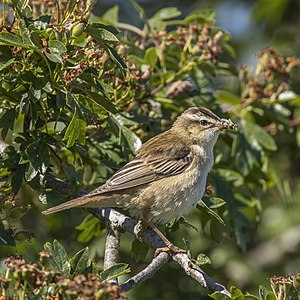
(172,197)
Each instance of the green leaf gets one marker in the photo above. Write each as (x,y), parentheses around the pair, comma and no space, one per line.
(59,260)
(236,294)
(203,259)
(111,15)
(115,271)
(75,131)
(151,56)
(10,39)
(90,227)
(256,133)
(139,9)
(263,291)
(6,238)
(80,261)
(251,297)
(166,13)
(55,57)
(102,100)
(139,250)
(38,155)
(6,64)
(183,221)
(7,121)
(101,35)
(203,207)
(115,57)
(227,97)
(57,47)
(219,296)
(17,178)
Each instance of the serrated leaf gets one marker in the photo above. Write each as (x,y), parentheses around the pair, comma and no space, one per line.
(79,262)
(59,260)
(115,271)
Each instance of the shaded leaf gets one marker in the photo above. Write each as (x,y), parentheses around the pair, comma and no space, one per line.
(115,57)
(75,131)
(59,260)
(9,39)
(80,261)
(115,271)
(151,56)
(6,238)
(90,227)
(139,250)
(101,35)
(203,207)
(56,47)
(203,259)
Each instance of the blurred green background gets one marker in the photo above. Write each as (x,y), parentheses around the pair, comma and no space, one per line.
(275,244)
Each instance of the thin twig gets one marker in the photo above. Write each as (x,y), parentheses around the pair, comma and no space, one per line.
(156,263)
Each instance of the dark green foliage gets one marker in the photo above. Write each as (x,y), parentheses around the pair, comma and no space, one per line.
(77,99)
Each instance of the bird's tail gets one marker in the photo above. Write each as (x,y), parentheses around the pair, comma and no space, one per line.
(85,201)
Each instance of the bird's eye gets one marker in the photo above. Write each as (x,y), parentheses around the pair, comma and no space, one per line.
(203,122)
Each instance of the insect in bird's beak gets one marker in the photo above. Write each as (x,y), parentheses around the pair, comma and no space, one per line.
(227,124)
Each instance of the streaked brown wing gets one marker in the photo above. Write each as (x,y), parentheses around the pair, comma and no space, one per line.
(146,169)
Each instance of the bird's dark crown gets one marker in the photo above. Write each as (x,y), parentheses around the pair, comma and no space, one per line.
(201,111)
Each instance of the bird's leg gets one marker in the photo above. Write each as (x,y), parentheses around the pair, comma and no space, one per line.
(170,247)
(140,228)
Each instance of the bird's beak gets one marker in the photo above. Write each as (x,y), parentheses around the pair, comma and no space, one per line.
(226,124)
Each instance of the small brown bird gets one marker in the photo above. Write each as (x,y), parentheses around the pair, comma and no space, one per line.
(168,175)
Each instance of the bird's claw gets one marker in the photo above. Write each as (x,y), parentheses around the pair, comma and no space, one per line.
(169,249)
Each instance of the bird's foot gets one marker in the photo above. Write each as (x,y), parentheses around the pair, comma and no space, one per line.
(170,248)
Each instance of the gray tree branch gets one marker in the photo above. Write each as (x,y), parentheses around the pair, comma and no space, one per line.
(156,263)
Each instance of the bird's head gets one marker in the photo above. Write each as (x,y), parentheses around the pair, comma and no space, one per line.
(201,126)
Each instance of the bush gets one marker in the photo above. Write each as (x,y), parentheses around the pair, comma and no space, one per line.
(78,97)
